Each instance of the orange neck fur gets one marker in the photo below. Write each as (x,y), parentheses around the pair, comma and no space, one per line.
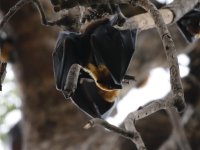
(97,73)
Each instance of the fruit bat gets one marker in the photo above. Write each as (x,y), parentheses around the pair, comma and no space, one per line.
(190,25)
(104,54)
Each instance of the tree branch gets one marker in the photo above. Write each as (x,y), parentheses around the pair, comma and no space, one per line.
(170,13)
(176,98)
(96,121)
(181,7)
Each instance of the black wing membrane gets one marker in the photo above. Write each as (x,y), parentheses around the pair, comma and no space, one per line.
(71,48)
(113,48)
(87,99)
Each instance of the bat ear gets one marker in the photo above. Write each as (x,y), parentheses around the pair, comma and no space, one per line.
(189,25)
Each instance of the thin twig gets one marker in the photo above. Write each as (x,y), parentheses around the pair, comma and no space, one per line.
(96,121)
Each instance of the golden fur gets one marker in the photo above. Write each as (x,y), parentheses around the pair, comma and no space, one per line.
(102,72)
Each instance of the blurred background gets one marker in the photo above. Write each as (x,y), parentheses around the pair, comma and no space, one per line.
(33,111)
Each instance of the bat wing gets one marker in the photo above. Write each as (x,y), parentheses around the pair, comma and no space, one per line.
(113,48)
(69,50)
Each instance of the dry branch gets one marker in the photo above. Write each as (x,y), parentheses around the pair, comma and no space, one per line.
(170,13)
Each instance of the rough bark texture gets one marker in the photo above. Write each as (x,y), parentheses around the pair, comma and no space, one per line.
(50,122)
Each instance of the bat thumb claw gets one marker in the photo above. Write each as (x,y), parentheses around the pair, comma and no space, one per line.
(88,125)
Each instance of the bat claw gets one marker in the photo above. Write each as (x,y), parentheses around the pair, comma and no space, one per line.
(68,93)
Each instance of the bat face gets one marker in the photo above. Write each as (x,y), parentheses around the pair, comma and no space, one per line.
(104,54)
(190,25)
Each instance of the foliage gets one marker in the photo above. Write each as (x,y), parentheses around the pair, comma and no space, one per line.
(9,102)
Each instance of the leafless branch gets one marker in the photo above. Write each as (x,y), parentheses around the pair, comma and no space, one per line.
(177,96)
(96,121)
(131,133)
(170,50)
(170,13)
(181,7)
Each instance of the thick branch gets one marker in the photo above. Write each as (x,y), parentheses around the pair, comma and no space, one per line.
(181,7)
(171,13)
(170,51)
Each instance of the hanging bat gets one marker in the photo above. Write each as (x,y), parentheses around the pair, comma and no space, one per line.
(190,25)
(89,67)
(102,53)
